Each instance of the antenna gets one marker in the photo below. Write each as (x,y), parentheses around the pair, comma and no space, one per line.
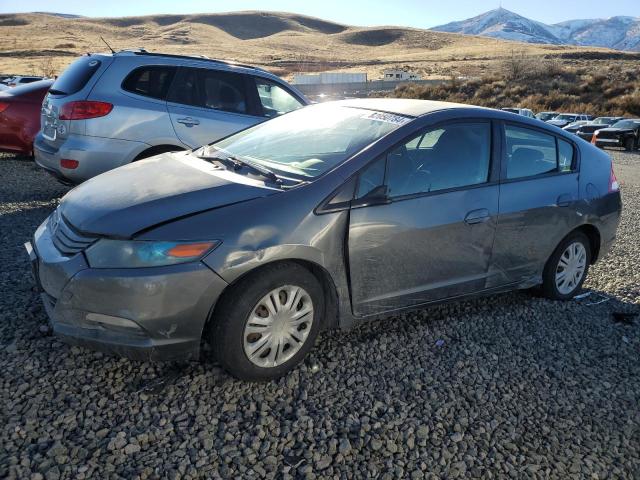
(108,46)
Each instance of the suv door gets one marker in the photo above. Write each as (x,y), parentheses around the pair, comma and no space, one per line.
(538,195)
(206,105)
(430,237)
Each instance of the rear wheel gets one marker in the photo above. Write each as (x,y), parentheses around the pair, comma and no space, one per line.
(269,321)
(567,269)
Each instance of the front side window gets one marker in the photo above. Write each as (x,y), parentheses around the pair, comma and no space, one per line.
(530,152)
(310,141)
(450,156)
(151,81)
(275,100)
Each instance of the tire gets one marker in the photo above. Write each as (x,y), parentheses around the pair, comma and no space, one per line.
(629,144)
(556,289)
(233,337)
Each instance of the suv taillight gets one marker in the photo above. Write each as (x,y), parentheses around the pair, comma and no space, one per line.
(3,106)
(84,109)
(614,186)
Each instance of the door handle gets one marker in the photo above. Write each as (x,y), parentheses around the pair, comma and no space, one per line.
(188,121)
(477,216)
(564,200)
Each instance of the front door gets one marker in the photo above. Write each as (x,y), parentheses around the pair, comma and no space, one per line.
(431,236)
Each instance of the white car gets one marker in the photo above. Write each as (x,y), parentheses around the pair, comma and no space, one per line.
(525,112)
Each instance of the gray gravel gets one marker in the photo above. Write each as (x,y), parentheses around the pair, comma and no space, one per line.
(506,386)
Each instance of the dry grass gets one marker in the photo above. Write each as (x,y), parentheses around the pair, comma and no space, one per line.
(283,43)
(529,82)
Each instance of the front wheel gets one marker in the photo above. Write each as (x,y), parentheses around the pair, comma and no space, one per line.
(567,269)
(629,144)
(269,321)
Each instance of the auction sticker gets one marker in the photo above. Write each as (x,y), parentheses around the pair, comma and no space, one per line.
(387,117)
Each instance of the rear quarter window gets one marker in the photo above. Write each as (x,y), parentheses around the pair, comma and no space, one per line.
(76,76)
(150,81)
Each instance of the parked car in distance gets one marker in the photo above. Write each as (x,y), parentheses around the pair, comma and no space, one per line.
(625,133)
(330,215)
(107,110)
(565,119)
(20,116)
(586,131)
(21,80)
(525,112)
(575,126)
(544,116)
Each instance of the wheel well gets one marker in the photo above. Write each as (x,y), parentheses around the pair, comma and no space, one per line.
(330,317)
(157,150)
(593,234)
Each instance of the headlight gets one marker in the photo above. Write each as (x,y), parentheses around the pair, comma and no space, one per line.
(107,253)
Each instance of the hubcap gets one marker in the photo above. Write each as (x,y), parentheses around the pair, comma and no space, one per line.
(570,269)
(278,326)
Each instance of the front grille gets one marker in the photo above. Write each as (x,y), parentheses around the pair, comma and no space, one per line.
(66,239)
(609,135)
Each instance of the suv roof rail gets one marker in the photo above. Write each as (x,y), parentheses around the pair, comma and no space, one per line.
(142,51)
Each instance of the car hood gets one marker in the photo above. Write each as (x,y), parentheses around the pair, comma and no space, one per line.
(557,122)
(124,201)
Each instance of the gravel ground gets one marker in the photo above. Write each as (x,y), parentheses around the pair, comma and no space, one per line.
(509,385)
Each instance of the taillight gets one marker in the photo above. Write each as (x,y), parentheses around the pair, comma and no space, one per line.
(3,106)
(68,163)
(593,137)
(84,109)
(614,186)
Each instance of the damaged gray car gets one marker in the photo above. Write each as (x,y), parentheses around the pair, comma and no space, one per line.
(327,216)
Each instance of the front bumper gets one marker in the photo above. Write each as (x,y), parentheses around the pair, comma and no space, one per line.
(609,142)
(154,313)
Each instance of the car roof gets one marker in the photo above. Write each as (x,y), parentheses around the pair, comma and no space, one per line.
(407,107)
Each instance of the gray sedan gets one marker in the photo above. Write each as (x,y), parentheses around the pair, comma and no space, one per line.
(334,214)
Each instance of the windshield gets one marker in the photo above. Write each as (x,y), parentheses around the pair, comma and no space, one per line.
(627,124)
(512,110)
(310,141)
(546,115)
(566,118)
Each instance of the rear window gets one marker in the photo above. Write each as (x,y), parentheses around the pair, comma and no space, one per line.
(76,76)
(151,81)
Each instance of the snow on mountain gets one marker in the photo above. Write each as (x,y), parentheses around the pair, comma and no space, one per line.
(620,33)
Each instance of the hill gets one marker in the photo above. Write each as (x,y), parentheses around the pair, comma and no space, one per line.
(281,42)
(620,33)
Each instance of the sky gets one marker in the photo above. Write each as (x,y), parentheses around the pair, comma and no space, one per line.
(412,13)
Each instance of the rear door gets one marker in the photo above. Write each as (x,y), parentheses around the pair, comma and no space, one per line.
(431,236)
(206,105)
(538,196)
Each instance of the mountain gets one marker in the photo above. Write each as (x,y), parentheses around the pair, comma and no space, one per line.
(619,33)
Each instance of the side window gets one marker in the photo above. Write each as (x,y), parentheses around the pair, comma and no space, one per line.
(185,89)
(371,177)
(529,152)
(450,156)
(152,81)
(223,91)
(565,156)
(275,100)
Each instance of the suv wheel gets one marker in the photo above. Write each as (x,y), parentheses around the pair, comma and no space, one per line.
(269,321)
(567,268)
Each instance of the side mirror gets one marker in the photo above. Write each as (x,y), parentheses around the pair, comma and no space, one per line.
(377,196)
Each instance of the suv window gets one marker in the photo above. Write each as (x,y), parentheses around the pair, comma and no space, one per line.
(76,76)
(530,153)
(151,81)
(275,100)
(210,89)
(449,156)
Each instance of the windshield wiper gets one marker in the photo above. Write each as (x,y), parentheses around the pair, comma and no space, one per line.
(237,164)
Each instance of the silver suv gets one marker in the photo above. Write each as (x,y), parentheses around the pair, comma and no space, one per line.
(107,110)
